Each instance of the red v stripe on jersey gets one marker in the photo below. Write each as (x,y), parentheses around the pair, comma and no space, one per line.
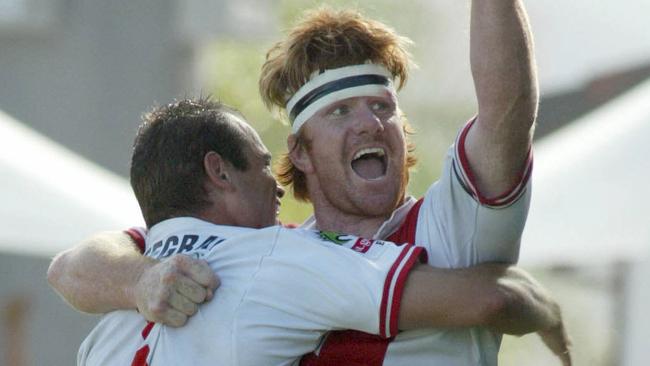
(406,232)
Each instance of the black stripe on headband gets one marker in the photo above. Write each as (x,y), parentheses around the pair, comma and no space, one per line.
(333,86)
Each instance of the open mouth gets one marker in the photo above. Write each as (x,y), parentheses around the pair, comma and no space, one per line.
(370,163)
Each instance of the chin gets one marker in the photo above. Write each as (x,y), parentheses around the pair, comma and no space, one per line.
(386,193)
(381,205)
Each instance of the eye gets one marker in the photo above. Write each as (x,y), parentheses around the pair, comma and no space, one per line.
(381,107)
(339,111)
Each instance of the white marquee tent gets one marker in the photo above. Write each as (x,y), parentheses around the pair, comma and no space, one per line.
(590,204)
(52,198)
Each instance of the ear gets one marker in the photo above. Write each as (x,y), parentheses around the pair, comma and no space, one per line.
(217,170)
(299,155)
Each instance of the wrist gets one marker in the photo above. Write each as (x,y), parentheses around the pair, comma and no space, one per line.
(135,288)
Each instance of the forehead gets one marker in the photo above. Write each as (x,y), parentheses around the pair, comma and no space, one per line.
(255,145)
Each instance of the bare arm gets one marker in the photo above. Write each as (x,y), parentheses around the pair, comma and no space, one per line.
(500,297)
(107,272)
(503,67)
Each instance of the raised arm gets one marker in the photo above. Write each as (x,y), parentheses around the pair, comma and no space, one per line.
(503,67)
(107,272)
(500,297)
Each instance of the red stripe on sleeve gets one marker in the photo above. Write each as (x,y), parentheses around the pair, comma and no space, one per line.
(409,254)
(515,191)
(511,194)
(384,298)
(137,237)
(417,253)
(462,157)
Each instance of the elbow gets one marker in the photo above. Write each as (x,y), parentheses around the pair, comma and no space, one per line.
(55,271)
(59,277)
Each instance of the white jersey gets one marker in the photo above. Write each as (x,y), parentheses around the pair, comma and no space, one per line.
(281,290)
(459,228)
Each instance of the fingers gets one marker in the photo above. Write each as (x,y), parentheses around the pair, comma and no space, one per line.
(566,358)
(162,312)
(191,290)
(174,318)
(197,270)
(182,304)
(565,355)
(557,340)
(172,290)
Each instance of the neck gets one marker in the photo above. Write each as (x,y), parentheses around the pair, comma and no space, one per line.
(213,215)
(350,218)
(330,218)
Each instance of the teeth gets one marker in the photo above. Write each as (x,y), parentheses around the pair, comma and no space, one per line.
(371,150)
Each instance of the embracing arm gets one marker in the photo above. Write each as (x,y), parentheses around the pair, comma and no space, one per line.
(99,274)
(503,67)
(502,298)
(107,272)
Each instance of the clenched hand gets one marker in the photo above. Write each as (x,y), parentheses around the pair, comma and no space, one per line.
(171,291)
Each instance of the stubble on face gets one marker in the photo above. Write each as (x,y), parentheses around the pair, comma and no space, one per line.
(257,189)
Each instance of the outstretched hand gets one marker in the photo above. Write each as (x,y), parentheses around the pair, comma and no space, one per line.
(551,328)
(557,340)
(170,291)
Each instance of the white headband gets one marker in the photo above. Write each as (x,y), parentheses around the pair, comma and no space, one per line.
(337,84)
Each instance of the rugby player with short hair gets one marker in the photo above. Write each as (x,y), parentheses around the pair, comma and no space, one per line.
(203,181)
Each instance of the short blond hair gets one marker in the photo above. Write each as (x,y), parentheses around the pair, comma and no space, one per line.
(327,39)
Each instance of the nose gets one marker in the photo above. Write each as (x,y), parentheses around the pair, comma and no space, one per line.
(279,191)
(367,121)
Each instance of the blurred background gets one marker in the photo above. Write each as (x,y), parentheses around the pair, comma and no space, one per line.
(75,76)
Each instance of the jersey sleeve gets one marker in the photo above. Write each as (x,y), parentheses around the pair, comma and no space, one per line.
(391,296)
(461,227)
(352,283)
(137,234)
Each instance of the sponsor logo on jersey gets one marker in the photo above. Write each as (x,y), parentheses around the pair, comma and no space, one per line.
(334,237)
(362,245)
(357,244)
